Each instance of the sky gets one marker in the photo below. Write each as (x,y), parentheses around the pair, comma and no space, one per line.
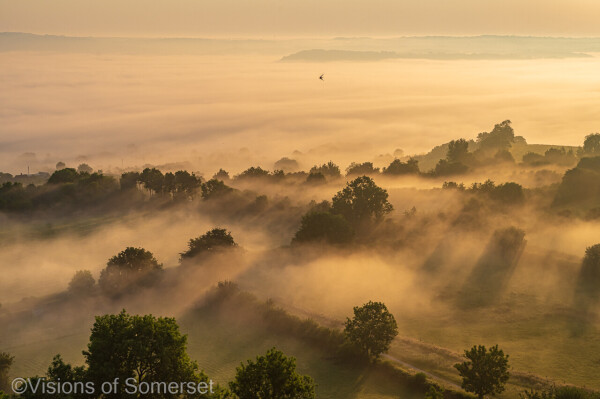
(275,18)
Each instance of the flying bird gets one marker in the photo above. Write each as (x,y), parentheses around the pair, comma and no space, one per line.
(321,77)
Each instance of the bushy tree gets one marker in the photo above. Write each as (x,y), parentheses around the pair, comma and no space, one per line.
(372,329)
(361,200)
(212,241)
(153,180)
(365,168)
(458,150)
(272,376)
(485,372)
(221,175)
(397,167)
(129,269)
(286,164)
(324,227)
(253,172)
(502,136)
(329,169)
(214,189)
(589,274)
(591,144)
(60,165)
(129,180)
(82,282)
(85,168)
(64,175)
(316,178)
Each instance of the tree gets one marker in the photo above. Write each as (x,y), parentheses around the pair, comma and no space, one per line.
(82,282)
(153,180)
(212,241)
(591,144)
(589,274)
(253,172)
(272,376)
(146,348)
(502,136)
(324,227)
(328,169)
(221,175)
(361,200)
(60,165)
(365,168)
(214,188)
(6,361)
(286,164)
(316,178)
(397,167)
(85,168)
(457,150)
(129,269)
(485,372)
(65,175)
(372,329)
(129,180)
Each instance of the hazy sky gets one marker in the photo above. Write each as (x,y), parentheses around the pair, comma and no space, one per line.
(270,18)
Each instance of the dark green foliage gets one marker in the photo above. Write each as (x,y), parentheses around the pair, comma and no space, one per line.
(153,180)
(361,201)
(591,144)
(372,329)
(142,347)
(82,283)
(365,168)
(13,197)
(131,268)
(324,227)
(485,372)
(272,376)
(129,180)
(61,176)
(509,193)
(501,137)
(212,241)
(397,167)
(214,189)
(6,361)
(435,393)
(329,170)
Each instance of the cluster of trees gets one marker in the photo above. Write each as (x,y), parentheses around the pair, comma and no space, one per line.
(509,193)
(353,209)
(556,156)
(134,269)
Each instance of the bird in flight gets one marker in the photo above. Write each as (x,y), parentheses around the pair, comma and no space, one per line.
(321,77)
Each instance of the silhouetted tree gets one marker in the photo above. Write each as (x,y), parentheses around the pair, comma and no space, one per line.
(82,282)
(286,164)
(153,180)
(221,175)
(591,144)
(329,169)
(272,376)
(84,168)
(485,372)
(397,167)
(324,227)
(458,150)
(372,329)
(365,168)
(214,188)
(361,200)
(65,175)
(253,172)
(589,274)
(129,180)
(129,269)
(502,136)
(60,165)
(316,178)
(210,242)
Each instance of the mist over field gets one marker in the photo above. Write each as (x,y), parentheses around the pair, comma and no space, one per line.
(454,179)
